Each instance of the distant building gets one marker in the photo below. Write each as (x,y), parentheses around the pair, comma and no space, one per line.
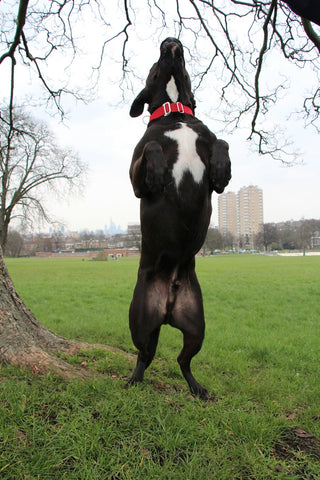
(250,214)
(112,229)
(241,214)
(134,236)
(227,212)
(315,240)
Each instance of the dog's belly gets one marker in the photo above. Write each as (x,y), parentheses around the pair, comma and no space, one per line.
(188,159)
(170,231)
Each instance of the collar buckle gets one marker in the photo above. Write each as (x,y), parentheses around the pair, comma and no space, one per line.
(166,108)
(180,107)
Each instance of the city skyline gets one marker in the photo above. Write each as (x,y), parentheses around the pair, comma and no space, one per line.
(124,228)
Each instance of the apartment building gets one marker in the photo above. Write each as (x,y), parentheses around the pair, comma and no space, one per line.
(227,211)
(250,214)
(241,214)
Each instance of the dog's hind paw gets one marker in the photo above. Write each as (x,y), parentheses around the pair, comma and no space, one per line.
(132,382)
(200,392)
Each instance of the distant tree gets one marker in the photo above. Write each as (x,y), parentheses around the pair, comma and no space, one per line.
(229,240)
(14,244)
(298,234)
(86,238)
(58,241)
(242,242)
(45,244)
(304,231)
(30,164)
(101,238)
(287,236)
(268,236)
(213,241)
(302,236)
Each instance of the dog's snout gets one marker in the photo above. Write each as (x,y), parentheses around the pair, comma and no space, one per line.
(176,52)
(172,47)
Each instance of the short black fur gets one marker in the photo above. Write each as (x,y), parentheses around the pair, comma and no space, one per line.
(174,216)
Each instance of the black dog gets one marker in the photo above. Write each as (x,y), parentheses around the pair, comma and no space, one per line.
(175,167)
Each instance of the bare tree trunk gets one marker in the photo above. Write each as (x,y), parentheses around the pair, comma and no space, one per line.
(25,342)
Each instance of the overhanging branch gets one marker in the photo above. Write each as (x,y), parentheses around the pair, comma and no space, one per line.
(314,37)
(20,22)
(259,68)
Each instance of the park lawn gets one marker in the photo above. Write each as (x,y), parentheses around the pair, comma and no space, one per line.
(260,361)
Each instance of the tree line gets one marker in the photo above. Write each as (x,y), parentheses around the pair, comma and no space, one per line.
(290,235)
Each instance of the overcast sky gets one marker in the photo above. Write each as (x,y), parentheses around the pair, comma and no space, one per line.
(104,135)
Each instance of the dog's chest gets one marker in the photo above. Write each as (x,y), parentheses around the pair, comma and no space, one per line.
(188,158)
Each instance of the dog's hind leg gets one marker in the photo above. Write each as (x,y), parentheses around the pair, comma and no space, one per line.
(188,316)
(145,357)
(191,346)
(146,315)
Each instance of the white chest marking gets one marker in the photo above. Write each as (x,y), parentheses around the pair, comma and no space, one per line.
(188,159)
(172,90)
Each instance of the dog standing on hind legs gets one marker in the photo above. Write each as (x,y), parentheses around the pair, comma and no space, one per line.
(175,168)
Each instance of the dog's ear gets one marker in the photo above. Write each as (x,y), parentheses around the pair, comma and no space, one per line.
(138,104)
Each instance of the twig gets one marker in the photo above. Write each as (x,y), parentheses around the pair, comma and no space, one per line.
(259,67)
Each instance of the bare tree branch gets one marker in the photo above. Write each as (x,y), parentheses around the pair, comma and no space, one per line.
(29,160)
(258,71)
(20,22)
(229,49)
(314,37)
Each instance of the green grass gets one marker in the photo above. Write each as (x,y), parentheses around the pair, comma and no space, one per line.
(260,360)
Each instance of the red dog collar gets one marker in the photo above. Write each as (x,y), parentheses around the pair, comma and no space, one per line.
(168,108)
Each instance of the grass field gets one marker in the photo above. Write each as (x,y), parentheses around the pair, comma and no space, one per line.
(260,361)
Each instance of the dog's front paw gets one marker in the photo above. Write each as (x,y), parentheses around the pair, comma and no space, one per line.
(155,179)
(220,166)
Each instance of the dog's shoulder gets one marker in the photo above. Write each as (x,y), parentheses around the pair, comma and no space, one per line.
(164,131)
(160,129)
(203,131)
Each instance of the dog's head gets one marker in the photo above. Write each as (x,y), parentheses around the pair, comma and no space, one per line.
(168,80)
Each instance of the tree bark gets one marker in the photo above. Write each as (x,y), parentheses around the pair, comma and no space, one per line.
(25,342)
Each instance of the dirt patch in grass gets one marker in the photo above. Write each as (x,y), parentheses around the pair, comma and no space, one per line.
(293,451)
(296,442)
